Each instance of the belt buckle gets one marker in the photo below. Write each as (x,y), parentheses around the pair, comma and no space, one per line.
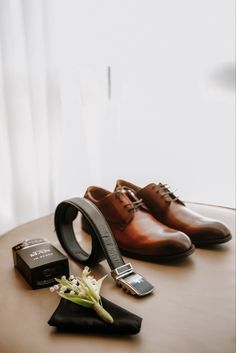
(130,281)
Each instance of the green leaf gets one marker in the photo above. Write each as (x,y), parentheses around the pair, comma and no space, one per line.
(63,282)
(66,283)
(89,290)
(77,300)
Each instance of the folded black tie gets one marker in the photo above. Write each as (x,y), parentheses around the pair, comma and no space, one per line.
(71,317)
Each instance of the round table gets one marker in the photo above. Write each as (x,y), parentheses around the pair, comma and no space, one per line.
(191,310)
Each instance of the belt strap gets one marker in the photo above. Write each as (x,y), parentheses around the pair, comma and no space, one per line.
(103,244)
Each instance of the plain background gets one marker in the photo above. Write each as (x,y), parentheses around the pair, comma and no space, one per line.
(167,112)
(171,114)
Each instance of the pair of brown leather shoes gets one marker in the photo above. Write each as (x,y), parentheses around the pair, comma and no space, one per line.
(152,224)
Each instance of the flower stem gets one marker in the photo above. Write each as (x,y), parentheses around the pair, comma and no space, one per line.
(103,313)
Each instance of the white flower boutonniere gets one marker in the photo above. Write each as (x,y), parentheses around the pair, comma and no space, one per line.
(84,291)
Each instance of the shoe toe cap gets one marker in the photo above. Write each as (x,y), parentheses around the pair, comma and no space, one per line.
(213,232)
(180,242)
(174,243)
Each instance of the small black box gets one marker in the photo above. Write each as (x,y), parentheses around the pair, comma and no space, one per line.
(40,262)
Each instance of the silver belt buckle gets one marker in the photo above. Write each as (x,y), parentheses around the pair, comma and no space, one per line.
(130,281)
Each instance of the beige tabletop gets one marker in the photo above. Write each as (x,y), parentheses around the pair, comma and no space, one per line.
(191,311)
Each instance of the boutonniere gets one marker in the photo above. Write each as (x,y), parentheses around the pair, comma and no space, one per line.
(84,290)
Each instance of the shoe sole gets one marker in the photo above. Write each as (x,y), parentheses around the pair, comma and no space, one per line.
(158,258)
(212,241)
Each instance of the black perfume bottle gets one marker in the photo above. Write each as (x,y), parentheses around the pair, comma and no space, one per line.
(40,262)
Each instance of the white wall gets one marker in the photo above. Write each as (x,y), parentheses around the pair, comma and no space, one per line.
(171,116)
(171,113)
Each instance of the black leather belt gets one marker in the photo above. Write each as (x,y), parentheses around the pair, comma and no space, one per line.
(103,244)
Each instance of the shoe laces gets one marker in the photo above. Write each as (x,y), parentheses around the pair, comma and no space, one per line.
(165,192)
(134,203)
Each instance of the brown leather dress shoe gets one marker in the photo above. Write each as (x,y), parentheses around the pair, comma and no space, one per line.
(171,211)
(137,233)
